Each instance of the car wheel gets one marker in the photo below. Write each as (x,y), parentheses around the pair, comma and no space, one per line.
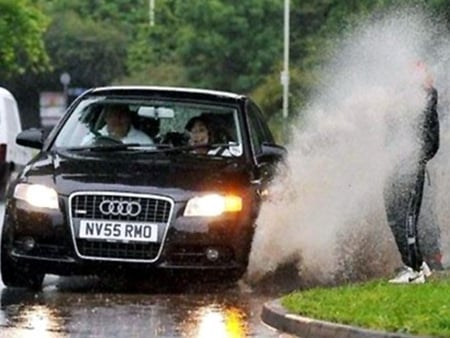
(13,276)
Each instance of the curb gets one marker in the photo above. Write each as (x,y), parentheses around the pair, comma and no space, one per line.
(273,314)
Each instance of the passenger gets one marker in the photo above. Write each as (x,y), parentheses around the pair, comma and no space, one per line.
(118,126)
(201,133)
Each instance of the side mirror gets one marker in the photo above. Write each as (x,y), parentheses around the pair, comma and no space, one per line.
(272,153)
(31,138)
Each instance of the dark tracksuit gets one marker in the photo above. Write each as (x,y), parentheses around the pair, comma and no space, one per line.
(428,228)
(404,188)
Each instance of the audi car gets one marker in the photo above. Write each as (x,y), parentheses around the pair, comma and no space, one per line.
(94,202)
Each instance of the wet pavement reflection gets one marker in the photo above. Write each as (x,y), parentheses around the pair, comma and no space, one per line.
(82,307)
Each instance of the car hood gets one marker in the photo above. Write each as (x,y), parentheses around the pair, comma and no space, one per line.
(174,175)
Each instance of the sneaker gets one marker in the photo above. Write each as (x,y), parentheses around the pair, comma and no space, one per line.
(425,269)
(408,276)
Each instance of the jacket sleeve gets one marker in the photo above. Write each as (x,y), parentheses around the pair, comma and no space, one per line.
(430,128)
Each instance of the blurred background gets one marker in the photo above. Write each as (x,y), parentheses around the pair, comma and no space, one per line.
(51,51)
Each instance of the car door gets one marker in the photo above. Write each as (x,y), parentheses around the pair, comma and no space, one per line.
(260,135)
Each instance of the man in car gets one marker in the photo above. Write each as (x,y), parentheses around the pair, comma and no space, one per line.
(118,126)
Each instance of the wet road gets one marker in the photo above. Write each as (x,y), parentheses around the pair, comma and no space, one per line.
(87,307)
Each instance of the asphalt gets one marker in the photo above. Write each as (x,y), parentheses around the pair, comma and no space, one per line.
(274,315)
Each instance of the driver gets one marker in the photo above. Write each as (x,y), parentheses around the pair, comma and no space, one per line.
(119,127)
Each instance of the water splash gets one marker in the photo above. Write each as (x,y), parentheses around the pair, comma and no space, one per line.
(326,213)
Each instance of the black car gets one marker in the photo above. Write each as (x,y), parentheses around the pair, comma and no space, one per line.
(95,202)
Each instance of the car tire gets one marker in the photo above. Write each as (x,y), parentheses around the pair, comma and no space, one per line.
(24,277)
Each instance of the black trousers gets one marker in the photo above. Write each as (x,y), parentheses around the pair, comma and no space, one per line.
(403,198)
(428,224)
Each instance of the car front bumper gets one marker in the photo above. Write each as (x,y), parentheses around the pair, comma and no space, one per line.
(45,239)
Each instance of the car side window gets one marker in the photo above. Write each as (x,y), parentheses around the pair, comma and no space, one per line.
(259,133)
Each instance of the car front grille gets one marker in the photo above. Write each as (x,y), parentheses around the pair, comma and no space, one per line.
(139,251)
(153,209)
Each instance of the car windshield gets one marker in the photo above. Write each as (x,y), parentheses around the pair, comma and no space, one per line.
(118,123)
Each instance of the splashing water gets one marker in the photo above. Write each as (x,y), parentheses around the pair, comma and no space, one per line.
(325,212)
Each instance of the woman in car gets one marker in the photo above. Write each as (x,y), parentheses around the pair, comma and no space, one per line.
(201,133)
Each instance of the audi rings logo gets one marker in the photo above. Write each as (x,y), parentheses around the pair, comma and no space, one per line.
(122,208)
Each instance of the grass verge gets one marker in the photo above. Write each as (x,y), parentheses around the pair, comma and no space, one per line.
(422,309)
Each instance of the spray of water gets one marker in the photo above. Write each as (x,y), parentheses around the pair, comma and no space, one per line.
(325,213)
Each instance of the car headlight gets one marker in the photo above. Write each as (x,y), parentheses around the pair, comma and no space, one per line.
(213,205)
(37,195)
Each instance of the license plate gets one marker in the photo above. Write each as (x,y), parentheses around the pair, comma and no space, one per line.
(120,231)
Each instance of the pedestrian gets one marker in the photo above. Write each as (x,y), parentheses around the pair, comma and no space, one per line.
(404,190)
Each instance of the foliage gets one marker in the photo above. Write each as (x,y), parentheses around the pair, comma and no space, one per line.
(419,309)
(269,96)
(91,52)
(158,43)
(120,14)
(153,56)
(22,26)
(243,47)
(165,74)
(222,44)
(269,93)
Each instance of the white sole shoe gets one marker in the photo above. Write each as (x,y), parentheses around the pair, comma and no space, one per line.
(408,276)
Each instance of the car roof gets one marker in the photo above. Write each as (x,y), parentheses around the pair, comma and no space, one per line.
(177,91)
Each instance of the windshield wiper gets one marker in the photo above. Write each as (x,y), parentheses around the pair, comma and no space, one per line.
(157,148)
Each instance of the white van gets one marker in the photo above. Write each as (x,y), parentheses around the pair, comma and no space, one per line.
(12,156)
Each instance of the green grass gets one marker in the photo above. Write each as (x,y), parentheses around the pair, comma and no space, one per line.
(422,309)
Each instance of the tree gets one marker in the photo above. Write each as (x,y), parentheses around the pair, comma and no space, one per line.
(121,14)
(232,44)
(153,56)
(229,45)
(22,26)
(93,53)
